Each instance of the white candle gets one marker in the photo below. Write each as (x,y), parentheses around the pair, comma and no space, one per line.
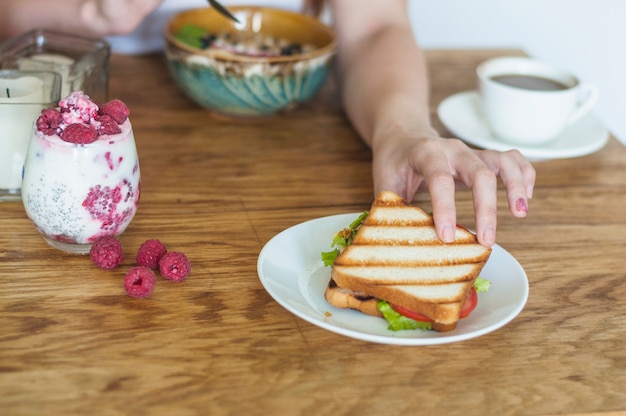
(58,63)
(21,101)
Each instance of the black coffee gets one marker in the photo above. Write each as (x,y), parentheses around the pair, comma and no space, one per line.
(530,82)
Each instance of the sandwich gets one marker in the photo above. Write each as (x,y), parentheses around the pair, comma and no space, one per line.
(390,263)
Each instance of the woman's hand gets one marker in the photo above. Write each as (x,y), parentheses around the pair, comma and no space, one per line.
(404,162)
(106,17)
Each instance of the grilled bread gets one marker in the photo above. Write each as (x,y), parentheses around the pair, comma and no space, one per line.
(397,256)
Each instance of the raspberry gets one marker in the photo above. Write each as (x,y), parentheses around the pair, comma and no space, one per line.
(116,109)
(78,108)
(150,253)
(174,266)
(139,282)
(79,134)
(106,253)
(49,122)
(105,124)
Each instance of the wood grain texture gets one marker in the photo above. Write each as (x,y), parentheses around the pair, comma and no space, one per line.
(72,342)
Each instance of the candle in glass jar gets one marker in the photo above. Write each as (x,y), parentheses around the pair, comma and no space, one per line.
(82,63)
(58,63)
(21,101)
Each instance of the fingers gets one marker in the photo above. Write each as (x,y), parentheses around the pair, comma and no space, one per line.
(116,17)
(432,161)
(518,177)
(441,186)
(482,179)
(443,163)
(440,164)
(484,190)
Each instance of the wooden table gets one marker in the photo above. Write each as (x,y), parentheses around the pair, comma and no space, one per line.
(72,342)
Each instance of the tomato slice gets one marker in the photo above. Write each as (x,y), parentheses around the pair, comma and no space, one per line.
(470,304)
(410,314)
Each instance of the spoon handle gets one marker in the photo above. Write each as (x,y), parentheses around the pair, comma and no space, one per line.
(222,10)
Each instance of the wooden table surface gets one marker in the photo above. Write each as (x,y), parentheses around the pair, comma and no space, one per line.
(73,343)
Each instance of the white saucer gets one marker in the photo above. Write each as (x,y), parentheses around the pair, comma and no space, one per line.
(461,115)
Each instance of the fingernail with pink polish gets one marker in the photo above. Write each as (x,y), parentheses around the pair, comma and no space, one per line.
(521,206)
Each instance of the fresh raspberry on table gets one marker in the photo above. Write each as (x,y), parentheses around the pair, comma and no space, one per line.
(139,282)
(106,253)
(150,253)
(105,124)
(79,134)
(116,109)
(175,266)
(49,122)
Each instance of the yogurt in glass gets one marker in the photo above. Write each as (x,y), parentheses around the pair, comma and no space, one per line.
(81,174)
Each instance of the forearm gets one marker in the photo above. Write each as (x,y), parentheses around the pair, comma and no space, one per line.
(385,91)
(22,15)
(384,80)
(82,17)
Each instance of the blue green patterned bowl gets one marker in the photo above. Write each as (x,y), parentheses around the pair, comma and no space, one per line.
(246,84)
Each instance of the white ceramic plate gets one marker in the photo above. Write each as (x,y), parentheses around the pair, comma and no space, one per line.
(292,272)
(461,114)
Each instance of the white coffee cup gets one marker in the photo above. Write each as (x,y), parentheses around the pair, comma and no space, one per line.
(529,102)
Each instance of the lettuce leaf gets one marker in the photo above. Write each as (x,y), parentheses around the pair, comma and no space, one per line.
(481,285)
(191,35)
(398,322)
(328,257)
(342,239)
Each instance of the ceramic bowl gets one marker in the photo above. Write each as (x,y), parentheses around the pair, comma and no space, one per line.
(239,84)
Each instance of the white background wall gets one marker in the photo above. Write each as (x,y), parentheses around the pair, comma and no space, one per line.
(587,37)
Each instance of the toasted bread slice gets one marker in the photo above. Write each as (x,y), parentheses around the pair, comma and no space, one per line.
(347,299)
(396,256)
(411,255)
(418,235)
(405,275)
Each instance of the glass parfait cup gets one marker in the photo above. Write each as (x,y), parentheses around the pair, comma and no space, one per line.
(75,193)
